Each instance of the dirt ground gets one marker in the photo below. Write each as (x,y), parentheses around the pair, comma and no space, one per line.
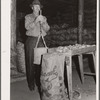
(20,91)
(88,89)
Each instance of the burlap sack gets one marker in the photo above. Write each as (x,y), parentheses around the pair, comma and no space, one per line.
(20,57)
(52,77)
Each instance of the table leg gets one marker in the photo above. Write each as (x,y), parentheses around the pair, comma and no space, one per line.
(80,58)
(94,60)
(69,75)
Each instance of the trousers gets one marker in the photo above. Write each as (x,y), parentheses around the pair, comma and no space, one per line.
(32,70)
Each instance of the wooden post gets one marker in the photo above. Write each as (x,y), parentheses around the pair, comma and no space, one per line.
(13,24)
(80,19)
(13,33)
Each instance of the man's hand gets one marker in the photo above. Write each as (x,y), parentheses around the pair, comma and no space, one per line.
(40,19)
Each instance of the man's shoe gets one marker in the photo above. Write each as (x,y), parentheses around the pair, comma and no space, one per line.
(31,88)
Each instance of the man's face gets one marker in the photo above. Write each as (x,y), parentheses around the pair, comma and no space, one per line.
(36,8)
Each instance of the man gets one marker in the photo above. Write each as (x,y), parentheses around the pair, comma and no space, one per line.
(33,23)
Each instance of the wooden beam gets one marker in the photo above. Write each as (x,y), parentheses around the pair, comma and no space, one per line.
(80,20)
(13,24)
(88,73)
(13,34)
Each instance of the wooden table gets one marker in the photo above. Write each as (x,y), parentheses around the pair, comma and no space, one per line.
(90,49)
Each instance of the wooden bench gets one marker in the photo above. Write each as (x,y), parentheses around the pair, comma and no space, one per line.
(68,59)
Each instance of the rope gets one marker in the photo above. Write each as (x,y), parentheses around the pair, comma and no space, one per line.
(40,35)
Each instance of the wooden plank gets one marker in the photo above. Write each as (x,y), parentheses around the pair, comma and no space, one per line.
(83,50)
(88,73)
(77,51)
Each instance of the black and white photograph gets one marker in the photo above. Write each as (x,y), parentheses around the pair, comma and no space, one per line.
(53,50)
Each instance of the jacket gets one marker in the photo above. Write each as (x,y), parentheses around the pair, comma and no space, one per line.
(33,29)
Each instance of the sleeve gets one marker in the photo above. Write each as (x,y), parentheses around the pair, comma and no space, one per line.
(29,23)
(45,25)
